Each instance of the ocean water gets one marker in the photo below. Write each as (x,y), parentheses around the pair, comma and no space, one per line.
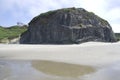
(44,70)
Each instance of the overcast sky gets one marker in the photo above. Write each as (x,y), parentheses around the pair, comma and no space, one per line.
(13,11)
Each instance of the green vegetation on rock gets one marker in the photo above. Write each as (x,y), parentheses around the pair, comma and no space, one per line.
(117,36)
(54,11)
(50,13)
(68,9)
(47,13)
(11,32)
(80,25)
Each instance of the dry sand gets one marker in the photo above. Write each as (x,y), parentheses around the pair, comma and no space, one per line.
(91,53)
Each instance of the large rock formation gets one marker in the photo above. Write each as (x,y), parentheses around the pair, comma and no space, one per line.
(67,26)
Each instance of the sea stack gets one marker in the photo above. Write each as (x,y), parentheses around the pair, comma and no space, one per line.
(67,26)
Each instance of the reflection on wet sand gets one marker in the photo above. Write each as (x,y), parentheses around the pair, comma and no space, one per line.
(41,70)
(62,69)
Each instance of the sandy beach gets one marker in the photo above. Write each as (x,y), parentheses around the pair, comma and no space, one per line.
(92,60)
(91,53)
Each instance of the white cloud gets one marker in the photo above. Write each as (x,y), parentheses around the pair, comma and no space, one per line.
(113,14)
(116,27)
(27,9)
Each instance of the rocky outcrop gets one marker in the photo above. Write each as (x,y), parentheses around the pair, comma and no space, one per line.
(67,26)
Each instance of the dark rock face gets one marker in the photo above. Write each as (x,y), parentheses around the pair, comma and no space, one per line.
(67,26)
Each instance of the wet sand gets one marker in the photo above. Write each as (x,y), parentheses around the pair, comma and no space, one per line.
(62,69)
(41,70)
